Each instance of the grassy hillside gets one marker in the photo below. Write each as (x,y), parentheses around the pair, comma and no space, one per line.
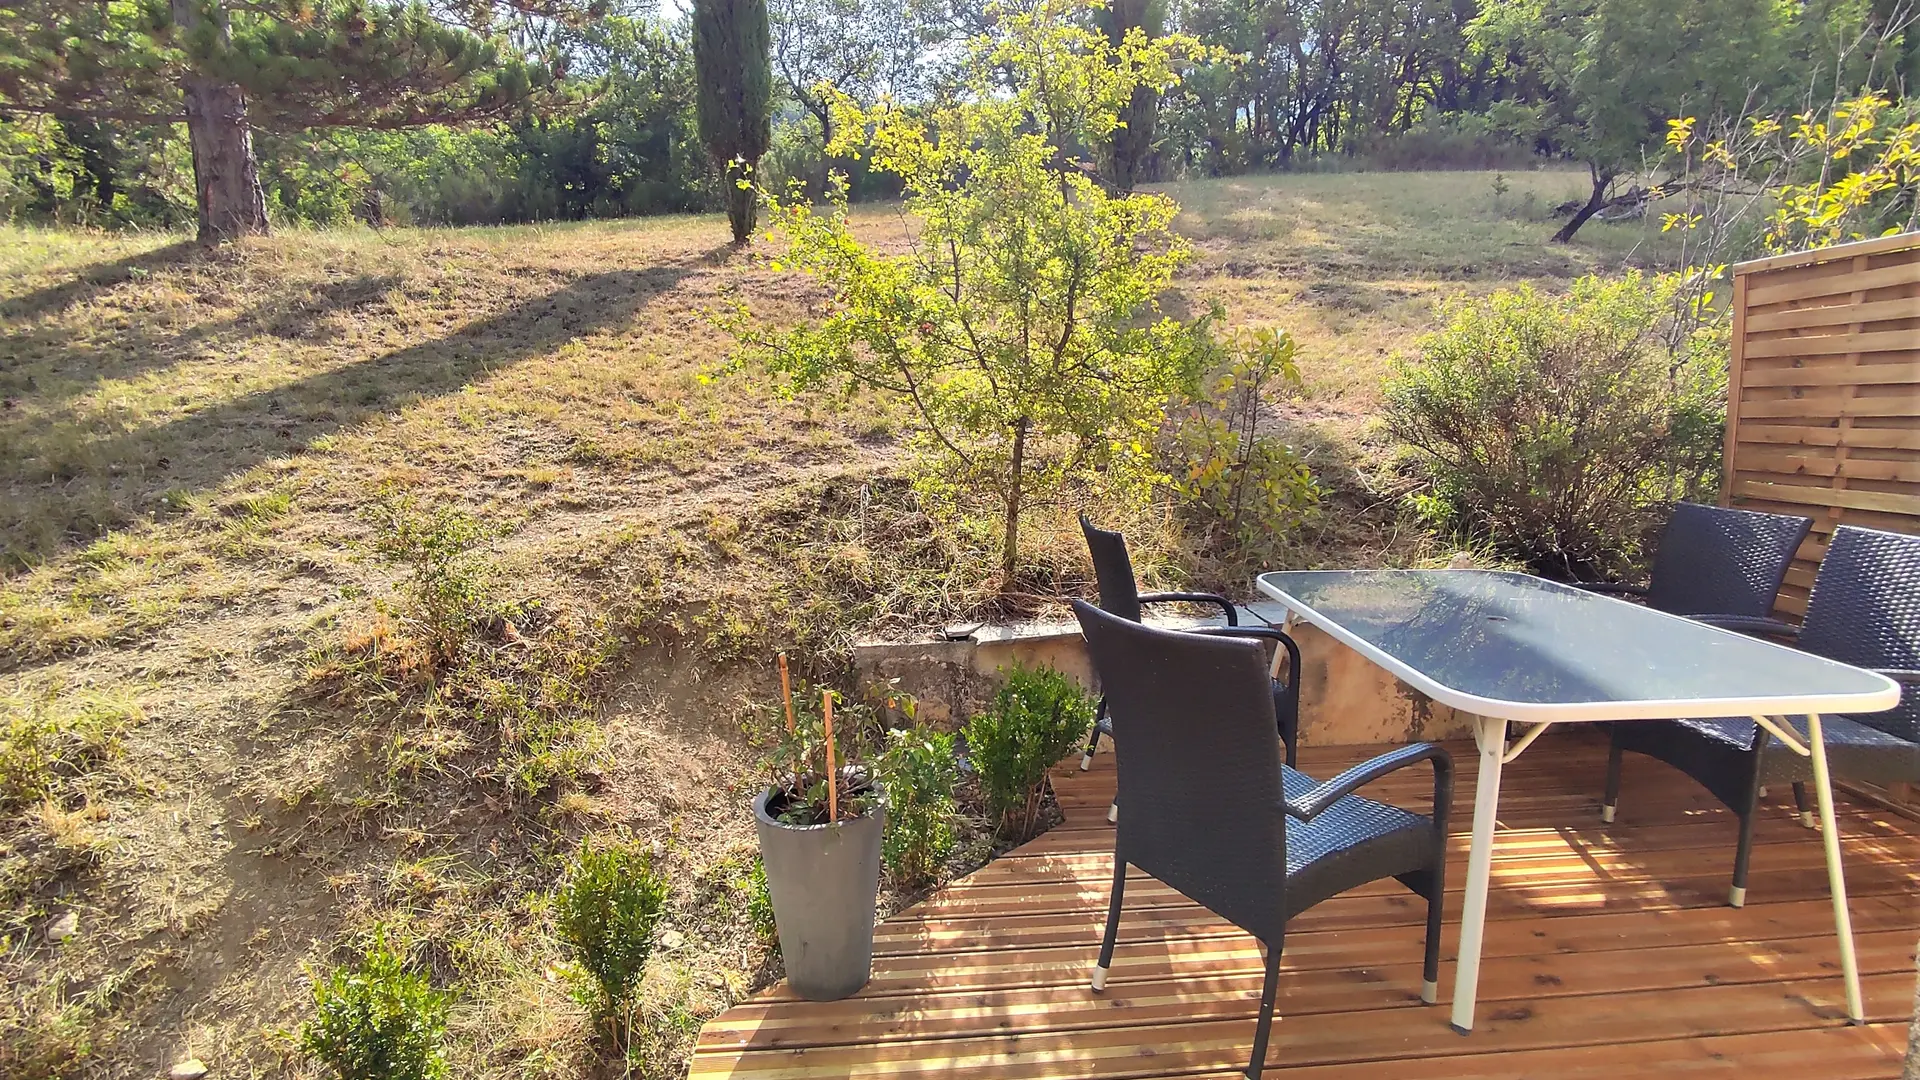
(201,455)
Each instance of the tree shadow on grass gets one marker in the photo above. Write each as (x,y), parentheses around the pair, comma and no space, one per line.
(52,361)
(199,450)
(96,278)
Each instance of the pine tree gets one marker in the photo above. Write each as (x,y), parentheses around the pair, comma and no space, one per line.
(223,67)
(731,46)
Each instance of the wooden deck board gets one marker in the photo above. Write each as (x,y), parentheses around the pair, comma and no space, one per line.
(1609,949)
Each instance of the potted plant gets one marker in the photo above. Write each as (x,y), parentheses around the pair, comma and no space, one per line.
(820,821)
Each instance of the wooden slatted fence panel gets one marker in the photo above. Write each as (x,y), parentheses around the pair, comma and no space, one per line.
(1823,409)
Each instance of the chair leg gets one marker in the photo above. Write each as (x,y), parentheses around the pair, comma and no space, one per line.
(1614,754)
(1430,970)
(1264,1028)
(1805,803)
(1113,926)
(1737,895)
(1093,737)
(1113,812)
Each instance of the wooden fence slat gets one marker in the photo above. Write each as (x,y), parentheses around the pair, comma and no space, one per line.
(1835,374)
(1854,468)
(1825,496)
(1836,314)
(1830,344)
(1877,438)
(1834,405)
(1905,273)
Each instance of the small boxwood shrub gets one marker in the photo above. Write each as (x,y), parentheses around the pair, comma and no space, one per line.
(607,911)
(378,1021)
(1036,716)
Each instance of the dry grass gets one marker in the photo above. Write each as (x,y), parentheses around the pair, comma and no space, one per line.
(189,445)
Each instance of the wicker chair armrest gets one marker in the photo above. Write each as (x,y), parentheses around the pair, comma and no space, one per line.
(1313,803)
(1271,633)
(1899,675)
(1226,605)
(1611,587)
(1750,624)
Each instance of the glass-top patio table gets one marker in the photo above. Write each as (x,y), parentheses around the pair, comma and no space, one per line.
(1509,647)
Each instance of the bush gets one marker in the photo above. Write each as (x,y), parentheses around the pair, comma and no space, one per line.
(607,912)
(378,1021)
(446,587)
(1035,718)
(1243,489)
(919,772)
(1557,427)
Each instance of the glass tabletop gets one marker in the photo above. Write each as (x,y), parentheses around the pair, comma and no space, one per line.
(1516,647)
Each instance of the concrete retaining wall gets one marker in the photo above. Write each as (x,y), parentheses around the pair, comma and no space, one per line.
(1344,698)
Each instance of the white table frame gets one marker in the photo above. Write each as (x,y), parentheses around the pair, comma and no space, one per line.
(1490,719)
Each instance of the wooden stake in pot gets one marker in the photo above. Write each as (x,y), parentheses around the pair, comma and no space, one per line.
(786,692)
(833,786)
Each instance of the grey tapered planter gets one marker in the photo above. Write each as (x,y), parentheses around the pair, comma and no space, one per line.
(823,880)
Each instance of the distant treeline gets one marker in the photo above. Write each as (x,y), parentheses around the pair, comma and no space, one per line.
(1288,84)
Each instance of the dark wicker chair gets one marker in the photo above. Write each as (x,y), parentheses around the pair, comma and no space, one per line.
(1214,813)
(1121,596)
(1864,611)
(1718,561)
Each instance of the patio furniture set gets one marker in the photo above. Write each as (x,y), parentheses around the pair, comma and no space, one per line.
(1206,730)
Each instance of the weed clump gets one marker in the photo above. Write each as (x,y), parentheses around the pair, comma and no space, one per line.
(378,1021)
(449,667)
(48,747)
(1036,716)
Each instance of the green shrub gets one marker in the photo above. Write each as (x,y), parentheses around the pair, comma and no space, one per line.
(1243,490)
(1556,428)
(607,912)
(446,587)
(919,772)
(760,902)
(378,1021)
(1036,716)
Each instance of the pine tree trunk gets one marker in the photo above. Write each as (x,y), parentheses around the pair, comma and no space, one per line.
(225,178)
(1010,548)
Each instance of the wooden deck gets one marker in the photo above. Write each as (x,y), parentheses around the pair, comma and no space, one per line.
(1610,952)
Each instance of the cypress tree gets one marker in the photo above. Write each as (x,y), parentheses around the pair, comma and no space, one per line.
(222,67)
(732,64)
(1130,150)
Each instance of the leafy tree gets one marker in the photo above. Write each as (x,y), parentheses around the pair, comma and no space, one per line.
(224,67)
(1598,80)
(731,43)
(1023,325)
(864,48)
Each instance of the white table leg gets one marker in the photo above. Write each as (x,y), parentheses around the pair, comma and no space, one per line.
(1491,737)
(1836,878)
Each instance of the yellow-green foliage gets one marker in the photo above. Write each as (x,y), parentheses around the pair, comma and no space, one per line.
(1024,326)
